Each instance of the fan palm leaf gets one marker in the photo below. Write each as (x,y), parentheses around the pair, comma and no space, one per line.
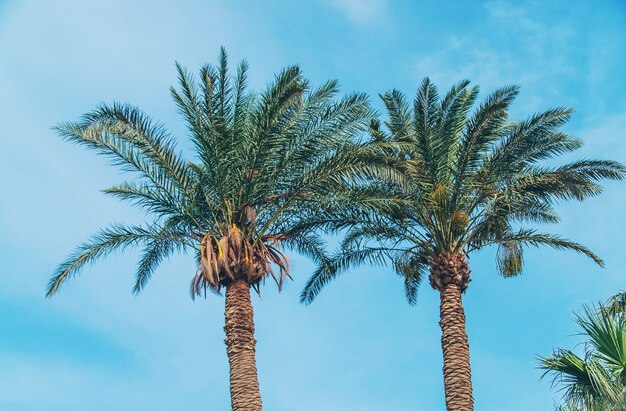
(597,381)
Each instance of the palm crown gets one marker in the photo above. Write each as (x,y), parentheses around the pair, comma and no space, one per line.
(263,164)
(470,181)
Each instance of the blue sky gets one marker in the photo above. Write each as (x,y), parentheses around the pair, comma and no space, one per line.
(359,347)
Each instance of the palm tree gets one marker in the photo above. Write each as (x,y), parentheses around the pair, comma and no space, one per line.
(263,165)
(470,181)
(596,382)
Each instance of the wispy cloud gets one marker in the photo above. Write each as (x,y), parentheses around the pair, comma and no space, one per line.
(510,46)
(361,11)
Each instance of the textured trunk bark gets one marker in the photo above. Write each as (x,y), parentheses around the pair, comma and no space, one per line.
(457,375)
(240,343)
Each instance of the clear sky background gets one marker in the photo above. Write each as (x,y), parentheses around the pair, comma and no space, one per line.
(360,346)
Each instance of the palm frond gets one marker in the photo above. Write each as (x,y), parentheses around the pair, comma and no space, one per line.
(616,305)
(597,381)
(412,267)
(531,237)
(101,244)
(336,265)
(510,258)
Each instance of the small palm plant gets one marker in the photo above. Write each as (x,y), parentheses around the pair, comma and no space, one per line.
(264,165)
(597,381)
(471,181)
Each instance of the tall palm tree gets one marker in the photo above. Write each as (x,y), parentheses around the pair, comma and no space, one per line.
(262,165)
(596,382)
(471,181)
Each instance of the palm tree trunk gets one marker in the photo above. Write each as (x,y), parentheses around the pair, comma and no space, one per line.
(240,343)
(457,375)
(450,275)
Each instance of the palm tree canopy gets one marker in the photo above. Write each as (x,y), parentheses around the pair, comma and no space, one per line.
(263,164)
(474,177)
(598,380)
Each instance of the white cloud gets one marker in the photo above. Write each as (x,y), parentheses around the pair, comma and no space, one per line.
(509,46)
(361,11)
